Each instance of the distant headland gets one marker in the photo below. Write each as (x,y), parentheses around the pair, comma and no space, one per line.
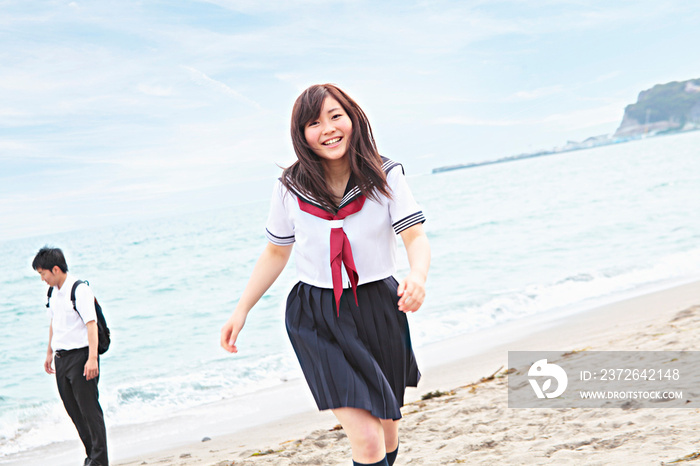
(664,109)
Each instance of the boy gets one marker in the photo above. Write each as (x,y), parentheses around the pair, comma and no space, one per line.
(73,338)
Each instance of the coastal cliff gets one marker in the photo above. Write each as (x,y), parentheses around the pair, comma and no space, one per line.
(673,106)
(663,109)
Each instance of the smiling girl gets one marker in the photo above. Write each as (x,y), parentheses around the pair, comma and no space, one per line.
(343,204)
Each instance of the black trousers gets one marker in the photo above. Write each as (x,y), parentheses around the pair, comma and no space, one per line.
(81,400)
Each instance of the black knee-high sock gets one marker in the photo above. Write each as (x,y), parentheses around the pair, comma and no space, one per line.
(391,456)
(378,463)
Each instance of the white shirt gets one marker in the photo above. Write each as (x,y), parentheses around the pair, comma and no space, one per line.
(69,329)
(371,231)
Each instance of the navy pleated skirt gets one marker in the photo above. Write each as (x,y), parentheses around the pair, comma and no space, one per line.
(360,359)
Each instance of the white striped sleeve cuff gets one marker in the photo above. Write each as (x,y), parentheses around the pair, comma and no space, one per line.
(408,222)
(279,240)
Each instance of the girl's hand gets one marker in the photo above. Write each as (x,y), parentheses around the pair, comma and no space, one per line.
(266,270)
(412,288)
(412,292)
(230,331)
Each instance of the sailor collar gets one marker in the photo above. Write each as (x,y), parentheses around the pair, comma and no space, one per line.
(352,191)
(340,250)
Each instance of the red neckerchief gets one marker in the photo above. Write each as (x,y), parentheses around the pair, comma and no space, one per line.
(341,253)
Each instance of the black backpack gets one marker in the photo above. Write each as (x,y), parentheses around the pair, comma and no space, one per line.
(103,334)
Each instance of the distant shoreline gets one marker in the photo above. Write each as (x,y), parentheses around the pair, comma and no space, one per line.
(589,143)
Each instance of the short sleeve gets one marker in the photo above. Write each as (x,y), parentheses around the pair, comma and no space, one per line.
(279,228)
(403,208)
(85,303)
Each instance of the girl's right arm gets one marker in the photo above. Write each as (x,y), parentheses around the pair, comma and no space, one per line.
(269,266)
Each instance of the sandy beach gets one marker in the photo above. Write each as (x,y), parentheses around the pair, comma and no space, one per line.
(470,423)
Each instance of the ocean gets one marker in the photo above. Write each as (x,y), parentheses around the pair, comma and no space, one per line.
(544,236)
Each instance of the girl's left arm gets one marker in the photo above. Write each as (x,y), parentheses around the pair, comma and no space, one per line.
(412,288)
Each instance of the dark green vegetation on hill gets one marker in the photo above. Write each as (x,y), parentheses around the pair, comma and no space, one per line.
(675,103)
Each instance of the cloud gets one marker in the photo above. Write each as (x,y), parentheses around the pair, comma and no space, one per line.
(607,76)
(475,121)
(567,121)
(255,7)
(12,146)
(537,93)
(155,90)
(202,78)
(585,118)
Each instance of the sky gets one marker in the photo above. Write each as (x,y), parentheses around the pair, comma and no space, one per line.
(112,112)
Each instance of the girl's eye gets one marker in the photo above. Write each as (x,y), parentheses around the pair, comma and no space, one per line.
(313,123)
(335,117)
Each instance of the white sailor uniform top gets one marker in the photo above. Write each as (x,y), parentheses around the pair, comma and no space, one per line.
(361,235)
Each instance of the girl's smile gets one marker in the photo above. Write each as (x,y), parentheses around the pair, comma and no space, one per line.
(329,134)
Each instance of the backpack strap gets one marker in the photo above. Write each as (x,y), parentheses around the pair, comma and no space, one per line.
(72,295)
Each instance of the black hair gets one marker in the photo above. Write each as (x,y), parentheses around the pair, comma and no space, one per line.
(47,258)
(306,174)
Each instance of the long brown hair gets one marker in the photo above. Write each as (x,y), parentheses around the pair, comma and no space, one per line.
(307,174)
